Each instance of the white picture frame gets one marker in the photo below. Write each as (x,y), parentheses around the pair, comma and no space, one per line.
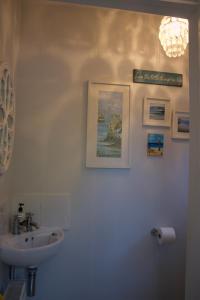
(157,112)
(108,125)
(181,125)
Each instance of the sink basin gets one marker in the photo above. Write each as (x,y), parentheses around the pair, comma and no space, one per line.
(30,248)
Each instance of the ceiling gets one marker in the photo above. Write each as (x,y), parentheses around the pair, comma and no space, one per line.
(181,8)
(188,2)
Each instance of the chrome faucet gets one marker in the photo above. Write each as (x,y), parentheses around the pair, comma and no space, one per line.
(26,225)
(28,222)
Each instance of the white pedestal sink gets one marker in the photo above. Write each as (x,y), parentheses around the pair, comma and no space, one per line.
(30,248)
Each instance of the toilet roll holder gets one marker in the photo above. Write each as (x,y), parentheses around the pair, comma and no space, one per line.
(155,232)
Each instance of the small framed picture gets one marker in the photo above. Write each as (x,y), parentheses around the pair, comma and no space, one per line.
(155,144)
(157,112)
(181,125)
(108,125)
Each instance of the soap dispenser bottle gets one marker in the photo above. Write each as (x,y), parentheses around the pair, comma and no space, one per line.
(21,214)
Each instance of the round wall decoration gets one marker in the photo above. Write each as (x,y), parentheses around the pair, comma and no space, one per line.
(7,117)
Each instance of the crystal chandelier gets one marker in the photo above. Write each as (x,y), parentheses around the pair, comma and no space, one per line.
(173,35)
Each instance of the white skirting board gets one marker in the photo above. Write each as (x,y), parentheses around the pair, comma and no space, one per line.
(15,291)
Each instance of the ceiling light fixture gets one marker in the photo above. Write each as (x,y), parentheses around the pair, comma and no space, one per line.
(173,35)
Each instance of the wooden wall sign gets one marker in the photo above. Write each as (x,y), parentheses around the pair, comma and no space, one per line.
(160,78)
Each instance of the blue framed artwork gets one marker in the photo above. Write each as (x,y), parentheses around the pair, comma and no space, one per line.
(155,144)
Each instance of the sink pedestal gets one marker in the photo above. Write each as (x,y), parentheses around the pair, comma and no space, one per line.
(12,273)
(31,280)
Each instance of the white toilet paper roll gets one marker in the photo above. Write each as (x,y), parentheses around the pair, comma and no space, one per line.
(166,235)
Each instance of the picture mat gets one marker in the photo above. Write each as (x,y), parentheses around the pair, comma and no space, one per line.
(92,160)
(176,134)
(157,102)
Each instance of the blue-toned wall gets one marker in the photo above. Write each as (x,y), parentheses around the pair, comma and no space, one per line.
(108,251)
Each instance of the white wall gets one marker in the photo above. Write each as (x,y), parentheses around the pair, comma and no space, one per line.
(9,46)
(108,252)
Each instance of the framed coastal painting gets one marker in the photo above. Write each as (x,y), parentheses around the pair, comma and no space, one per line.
(157,112)
(155,144)
(108,125)
(181,125)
